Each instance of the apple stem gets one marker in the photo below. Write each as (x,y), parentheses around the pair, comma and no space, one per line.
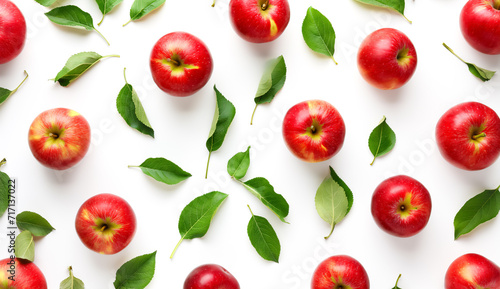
(265,5)
(331,231)
(208,162)
(407,19)
(453,52)
(104,227)
(477,136)
(99,24)
(496,4)
(397,280)
(334,61)
(102,36)
(213,4)
(251,120)
(176,247)
(313,129)
(2,162)
(127,22)
(53,135)
(173,61)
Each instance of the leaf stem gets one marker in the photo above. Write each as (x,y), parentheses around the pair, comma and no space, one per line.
(453,52)
(127,22)
(397,280)
(176,247)
(334,61)
(15,89)
(2,162)
(111,55)
(250,210)
(124,75)
(331,231)
(99,24)
(70,272)
(102,36)
(213,4)
(407,19)
(208,162)
(251,120)
(373,160)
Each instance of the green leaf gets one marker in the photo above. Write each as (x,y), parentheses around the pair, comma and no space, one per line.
(264,191)
(141,8)
(271,83)
(33,222)
(196,217)
(106,6)
(163,171)
(237,166)
(77,65)
(4,190)
(24,246)
(479,209)
(382,139)
(223,116)
(481,73)
(396,286)
(318,33)
(46,3)
(5,93)
(136,273)
(71,282)
(130,108)
(331,203)
(396,5)
(263,238)
(73,16)
(347,190)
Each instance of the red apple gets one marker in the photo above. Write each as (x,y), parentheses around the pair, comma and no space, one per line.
(387,59)
(180,64)
(313,130)
(468,136)
(259,21)
(20,274)
(401,206)
(480,25)
(210,276)
(340,272)
(12,31)
(472,271)
(105,223)
(59,138)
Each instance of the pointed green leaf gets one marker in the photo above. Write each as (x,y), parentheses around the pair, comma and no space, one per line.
(4,192)
(71,282)
(106,6)
(382,139)
(5,93)
(318,33)
(33,222)
(196,217)
(141,8)
(479,209)
(396,286)
(481,73)
(130,108)
(263,238)
(163,171)
(224,115)
(264,191)
(396,5)
(46,3)
(77,65)
(24,246)
(347,190)
(72,16)
(136,273)
(237,166)
(331,203)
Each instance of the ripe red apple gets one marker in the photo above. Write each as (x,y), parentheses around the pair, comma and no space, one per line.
(480,25)
(105,223)
(59,138)
(12,31)
(340,272)
(387,59)
(259,21)
(210,276)
(472,271)
(468,136)
(401,206)
(180,64)
(20,274)
(313,130)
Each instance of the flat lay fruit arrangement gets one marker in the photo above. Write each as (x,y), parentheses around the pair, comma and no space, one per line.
(249,143)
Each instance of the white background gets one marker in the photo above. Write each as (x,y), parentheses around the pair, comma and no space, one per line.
(181,128)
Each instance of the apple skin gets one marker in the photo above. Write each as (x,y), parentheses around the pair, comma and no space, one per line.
(472,271)
(105,224)
(480,25)
(401,206)
(459,136)
(210,276)
(259,21)
(59,138)
(27,275)
(387,59)
(340,271)
(12,31)
(314,130)
(180,63)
